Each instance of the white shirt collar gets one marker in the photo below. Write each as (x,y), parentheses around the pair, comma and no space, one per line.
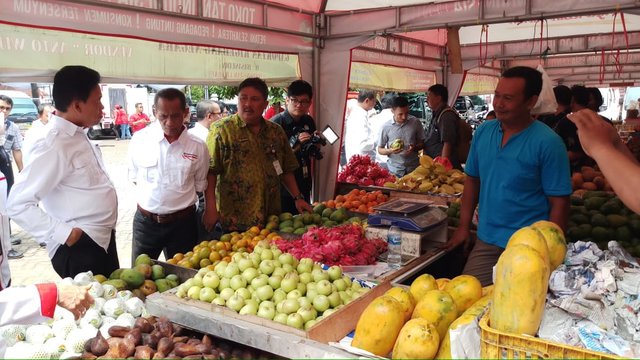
(65,125)
(157,133)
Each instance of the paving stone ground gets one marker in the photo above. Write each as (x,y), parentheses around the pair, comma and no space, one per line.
(36,267)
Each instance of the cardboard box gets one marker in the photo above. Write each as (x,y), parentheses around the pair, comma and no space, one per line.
(414,244)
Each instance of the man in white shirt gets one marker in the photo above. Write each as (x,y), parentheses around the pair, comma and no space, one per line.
(36,130)
(66,175)
(359,138)
(168,166)
(377,123)
(207,112)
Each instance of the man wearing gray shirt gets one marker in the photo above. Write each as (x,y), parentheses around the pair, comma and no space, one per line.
(401,138)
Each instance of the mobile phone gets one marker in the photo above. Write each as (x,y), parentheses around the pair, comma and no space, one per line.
(330,135)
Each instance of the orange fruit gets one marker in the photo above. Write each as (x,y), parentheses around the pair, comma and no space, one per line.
(178,256)
(254,230)
(214,256)
(331,204)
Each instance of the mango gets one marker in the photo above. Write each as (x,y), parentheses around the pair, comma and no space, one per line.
(132,277)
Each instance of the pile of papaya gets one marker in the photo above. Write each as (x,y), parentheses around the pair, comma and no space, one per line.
(600,216)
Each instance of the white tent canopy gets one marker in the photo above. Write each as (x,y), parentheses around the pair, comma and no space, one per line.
(217,41)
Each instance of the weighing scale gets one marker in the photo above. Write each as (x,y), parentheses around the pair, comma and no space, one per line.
(407,215)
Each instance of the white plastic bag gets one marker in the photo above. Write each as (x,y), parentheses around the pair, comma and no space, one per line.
(546,100)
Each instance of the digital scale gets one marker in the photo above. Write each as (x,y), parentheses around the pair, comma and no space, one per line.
(407,215)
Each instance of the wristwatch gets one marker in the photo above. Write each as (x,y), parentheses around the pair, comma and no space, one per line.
(298,197)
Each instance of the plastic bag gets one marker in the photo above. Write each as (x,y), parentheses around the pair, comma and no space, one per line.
(546,100)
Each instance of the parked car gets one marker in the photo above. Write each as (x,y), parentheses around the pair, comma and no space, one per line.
(104,129)
(465,108)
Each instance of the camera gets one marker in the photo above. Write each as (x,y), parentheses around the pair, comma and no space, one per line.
(309,148)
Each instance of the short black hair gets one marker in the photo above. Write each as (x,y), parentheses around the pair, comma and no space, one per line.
(597,97)
(399,101)
(7,99)
(73,82)
(563,95)
(138,103)
(387,100)
(203,108)
(170,94)
(300,87)
(532,79)
(440,90)
(257,84)
(41,108)
(580,95)
(363,95)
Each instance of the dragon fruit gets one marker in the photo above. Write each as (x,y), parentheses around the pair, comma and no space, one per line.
(341,245)
(363,171)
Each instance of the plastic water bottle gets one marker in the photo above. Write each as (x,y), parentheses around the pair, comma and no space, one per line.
(394,239)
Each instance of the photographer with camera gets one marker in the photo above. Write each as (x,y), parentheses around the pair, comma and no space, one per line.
(303,138)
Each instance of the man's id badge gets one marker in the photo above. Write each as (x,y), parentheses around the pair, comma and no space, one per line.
(276,165)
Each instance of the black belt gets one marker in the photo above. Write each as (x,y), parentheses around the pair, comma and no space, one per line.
(168,218)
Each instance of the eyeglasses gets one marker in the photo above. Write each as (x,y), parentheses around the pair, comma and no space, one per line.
(2,108)
(216,113)
(300,102)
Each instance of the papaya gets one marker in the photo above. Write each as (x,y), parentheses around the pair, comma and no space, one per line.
(405,298)
(487,290)
(556,243)
(379,325)
(442,282)
(464,290)
(532,237)
(421,285)
(437,307)
(418,339)
(521,283)
(444,352)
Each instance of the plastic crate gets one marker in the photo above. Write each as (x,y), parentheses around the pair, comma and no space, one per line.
(496,344)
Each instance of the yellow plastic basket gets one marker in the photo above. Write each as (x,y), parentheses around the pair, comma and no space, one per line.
(496,344)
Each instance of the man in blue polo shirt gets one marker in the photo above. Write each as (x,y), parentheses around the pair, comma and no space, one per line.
(517,168)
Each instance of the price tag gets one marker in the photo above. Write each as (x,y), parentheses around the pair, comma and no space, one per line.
(276,165)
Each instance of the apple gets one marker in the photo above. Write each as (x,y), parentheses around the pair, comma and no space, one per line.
(328,312)
(306,278)
(275,281)
(279,295)
(244,292)
(264,292)
(211,280)
(311,294)
(289,282)
(344,296)
(267,267)
(324,287)
(225,294)
(244,263)
(187,284)
(207,294)
(279,272)
(295,320)
(194,292)
(316,266)
(219,301)
(255,259)
(266,254)
(288,267)
(181,293)
(249,308)
(305,265)
(224,283)
(231,270)
(276,252)
(321,303)
(281,318)
(235,302)
(340,284)
(267,310)
(335,272)
(254,297)
(294,294)
(356,285)
(220,268)
(237,282)
(250,274)
(303,301)
(237,257)
(286,258)
(290,306)
(202,271)
(197,280)
(307,312)
(258,249)
(259,281)
(276,263)
(334,299)
(347,280)
(311,285)
(319,275)
(309,324)
(302,288)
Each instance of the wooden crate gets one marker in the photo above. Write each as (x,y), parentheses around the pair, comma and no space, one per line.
(330,329)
